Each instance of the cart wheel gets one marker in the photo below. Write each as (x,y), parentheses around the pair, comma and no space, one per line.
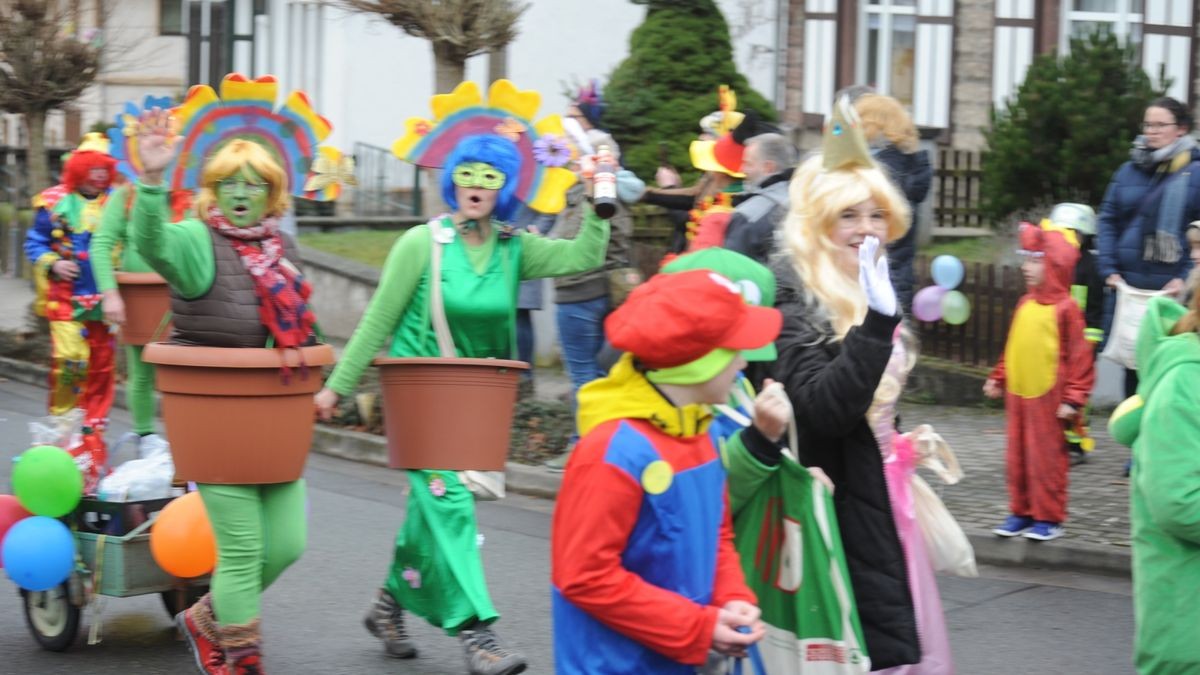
(51,617)
(176,600)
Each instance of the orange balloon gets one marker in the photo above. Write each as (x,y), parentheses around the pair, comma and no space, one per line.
(181,539)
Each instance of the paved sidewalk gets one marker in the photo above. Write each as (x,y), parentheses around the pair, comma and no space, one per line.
(15,296)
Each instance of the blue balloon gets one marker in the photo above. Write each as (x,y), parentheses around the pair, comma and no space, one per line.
(947,272)
(38,553)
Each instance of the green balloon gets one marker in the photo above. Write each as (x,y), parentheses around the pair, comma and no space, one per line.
(956,309)
(47,482)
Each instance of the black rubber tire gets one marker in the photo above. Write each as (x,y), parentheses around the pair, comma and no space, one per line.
(52,617)
(171,598)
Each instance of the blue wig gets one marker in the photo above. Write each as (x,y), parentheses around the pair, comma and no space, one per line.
(495,150)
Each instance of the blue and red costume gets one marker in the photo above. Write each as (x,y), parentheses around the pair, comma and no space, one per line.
(642,542)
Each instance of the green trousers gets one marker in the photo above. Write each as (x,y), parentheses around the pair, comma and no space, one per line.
(139,390)
(437,572)
(260,531)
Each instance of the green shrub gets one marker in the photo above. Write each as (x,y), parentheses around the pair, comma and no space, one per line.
(1067,130)
(678,58)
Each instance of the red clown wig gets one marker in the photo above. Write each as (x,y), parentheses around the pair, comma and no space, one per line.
(75,171)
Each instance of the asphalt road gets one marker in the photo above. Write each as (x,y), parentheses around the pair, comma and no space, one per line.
(1008,621)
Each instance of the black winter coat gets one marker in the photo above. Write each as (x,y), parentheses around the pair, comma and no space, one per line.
(831,386)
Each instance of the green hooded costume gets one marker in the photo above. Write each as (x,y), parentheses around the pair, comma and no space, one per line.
(1162,425)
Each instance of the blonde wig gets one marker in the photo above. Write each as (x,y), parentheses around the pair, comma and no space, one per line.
(230,160)
(884,118)
(818,198)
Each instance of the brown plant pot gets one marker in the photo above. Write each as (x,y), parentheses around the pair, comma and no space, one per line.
(147,300)
(229,414)
(451,414)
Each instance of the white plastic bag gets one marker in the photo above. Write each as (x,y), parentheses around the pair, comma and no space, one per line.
(64,431)
(949,549)
(138,479)
(1122,337)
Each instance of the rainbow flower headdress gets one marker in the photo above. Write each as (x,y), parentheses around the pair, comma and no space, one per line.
(123,136)
(246,109)
(542,184)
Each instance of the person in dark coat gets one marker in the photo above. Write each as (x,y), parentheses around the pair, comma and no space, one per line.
(1146,210)
(768,164)
(843,361)
(893,138)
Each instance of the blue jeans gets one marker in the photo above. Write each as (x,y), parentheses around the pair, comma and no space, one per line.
(581,333)
(525,341)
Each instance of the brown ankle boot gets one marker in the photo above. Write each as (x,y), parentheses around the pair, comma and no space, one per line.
(243,648)
(199,627)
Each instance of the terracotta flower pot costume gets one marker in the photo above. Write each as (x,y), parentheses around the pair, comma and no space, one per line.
(237,373)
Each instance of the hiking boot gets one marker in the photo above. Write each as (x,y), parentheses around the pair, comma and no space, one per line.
(385,620)
(243,648)
(1044,531)
(199,628)
(485,655)
(1013,526)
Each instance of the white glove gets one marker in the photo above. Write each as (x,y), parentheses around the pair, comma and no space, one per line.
(874,278)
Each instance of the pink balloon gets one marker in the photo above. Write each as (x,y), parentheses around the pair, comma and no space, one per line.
(11,512)
(927,303)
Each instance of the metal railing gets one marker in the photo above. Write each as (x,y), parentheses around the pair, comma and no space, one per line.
(381,190)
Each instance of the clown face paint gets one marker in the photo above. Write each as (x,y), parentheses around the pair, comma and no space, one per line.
(242,197)
(97,179)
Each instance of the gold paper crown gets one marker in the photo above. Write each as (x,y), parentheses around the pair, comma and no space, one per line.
(94,142)
(844,144)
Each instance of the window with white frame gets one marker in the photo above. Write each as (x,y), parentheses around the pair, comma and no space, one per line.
(887,47)
(1081,18)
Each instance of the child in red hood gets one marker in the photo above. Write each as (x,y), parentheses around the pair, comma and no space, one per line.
(1046,376)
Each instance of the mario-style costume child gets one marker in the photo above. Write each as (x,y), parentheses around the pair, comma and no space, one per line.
(58,244)
(1047,373)
(645,575)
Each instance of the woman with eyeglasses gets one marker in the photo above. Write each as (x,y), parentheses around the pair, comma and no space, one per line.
(483,262)
(1149,202)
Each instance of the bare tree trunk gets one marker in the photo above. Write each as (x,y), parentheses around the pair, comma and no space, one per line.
(498,64)
(35,122)
(448,68)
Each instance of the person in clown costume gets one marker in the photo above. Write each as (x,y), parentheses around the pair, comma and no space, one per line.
(235,284)
(115,236)
(1045,376)
(81,345)
(487,151)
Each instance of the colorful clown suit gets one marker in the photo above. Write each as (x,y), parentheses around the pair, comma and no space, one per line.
(81,374)
(1047,362)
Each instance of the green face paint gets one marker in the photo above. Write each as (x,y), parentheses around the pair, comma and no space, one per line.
(478,175)
(243,197)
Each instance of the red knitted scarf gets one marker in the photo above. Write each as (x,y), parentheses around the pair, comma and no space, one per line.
(281,288)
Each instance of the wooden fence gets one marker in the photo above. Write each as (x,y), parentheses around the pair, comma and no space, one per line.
(993,290)
(957,178)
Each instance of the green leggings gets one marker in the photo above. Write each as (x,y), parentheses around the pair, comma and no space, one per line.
(139,390)
(437,572)
(260,530)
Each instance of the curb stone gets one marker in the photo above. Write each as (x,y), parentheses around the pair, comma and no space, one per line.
(541,482)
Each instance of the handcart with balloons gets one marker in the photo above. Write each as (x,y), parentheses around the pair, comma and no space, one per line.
(67,552)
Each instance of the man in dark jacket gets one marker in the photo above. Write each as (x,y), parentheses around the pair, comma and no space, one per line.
(768,164)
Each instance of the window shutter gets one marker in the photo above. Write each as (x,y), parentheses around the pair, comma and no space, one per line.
(935,53)
(1167,35)
(820,55)
(1014,48)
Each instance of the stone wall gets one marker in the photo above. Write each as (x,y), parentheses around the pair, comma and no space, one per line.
(971,93)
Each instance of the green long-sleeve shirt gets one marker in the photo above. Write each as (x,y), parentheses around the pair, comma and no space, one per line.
(113,232)
(181,252)
(407,262)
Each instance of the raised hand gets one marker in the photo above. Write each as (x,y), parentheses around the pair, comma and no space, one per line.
(874,278)
(156,143)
